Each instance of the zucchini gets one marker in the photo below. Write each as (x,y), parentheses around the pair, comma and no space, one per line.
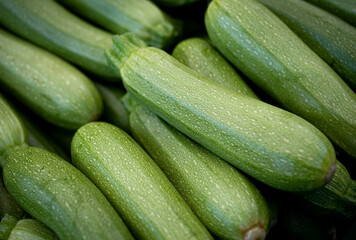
(271,55)
(268,143)
(68,99)
(338,196)
(31,229)
(139,16)
(200,55)
(136,187)
(7,203)
(344,9)
(328,36)
(13,135)
(7,223)
(51,26)
(58,194)
(129,102)
(226,202)
(114,111)
(175,3)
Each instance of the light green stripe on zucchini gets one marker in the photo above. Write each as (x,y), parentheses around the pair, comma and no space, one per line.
(260,45)
(272,145)
(49,86)
(136,187)
(224,200)
(200,55)
(31,229)
(58,194)
(139,16)
(331,38)
(48,24)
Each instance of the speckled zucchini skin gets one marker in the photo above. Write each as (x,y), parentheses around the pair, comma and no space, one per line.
(200,55)
(48,24)
(7,223)
(270,54)
(136,187)
(58,194)
(175,3)
(7,203)
(226,202)
(270,144)
(31,229)
(13,134)
(139,16)
(331,38)
(344,9)
(51,87)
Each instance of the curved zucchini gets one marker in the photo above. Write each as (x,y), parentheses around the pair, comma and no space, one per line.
(200,55)
(7,223)
(48,24)
(31,229)
(270,144)
(139,16)
(13,135)
(49,86)
(134,184)
(175,3)
(271,55)
(344,9)
(331,38)
(58,194)
(7,203)
(226,202)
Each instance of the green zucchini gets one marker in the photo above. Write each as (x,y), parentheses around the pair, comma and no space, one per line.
(49,86)
(200,55)
(344,9)
(114,111)
(7,223)
(129,102)
(58,194)
(331,38)
(31,229)
(7,203)
(226,202)
(48,24)
(271,55)
(139,16)
(338,196)
(136,187)
(270,144)
(13,135)
(175,3)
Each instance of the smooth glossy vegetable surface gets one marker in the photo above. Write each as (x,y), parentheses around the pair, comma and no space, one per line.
(48,24)
(140,192)
(31,229)
(260,45)
(49,86)
(58,194)
(272,145)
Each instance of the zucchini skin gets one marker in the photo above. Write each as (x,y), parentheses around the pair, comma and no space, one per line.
(7,203)
(31,74)
(58,194)
(200,55)
(175,3)
(31,229)
(270,144)
(271,55)
(7,223)
(48,24)
(328,36)
(13,135)
(227,203)
(136,187)
(139,16)
(344,9)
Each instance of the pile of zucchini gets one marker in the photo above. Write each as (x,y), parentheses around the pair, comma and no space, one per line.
(129,119)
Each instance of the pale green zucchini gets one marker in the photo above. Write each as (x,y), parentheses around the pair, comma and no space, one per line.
(136,187)
(200,55)
(48,24)
(7,203)
(175,3)
(129,102)
(344,9)
(31,229)
(270,144)
(58,194)
(226,202)
(139,16)
(13,135)
(49,86)
(330,37)
(7,223)
(271,55)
